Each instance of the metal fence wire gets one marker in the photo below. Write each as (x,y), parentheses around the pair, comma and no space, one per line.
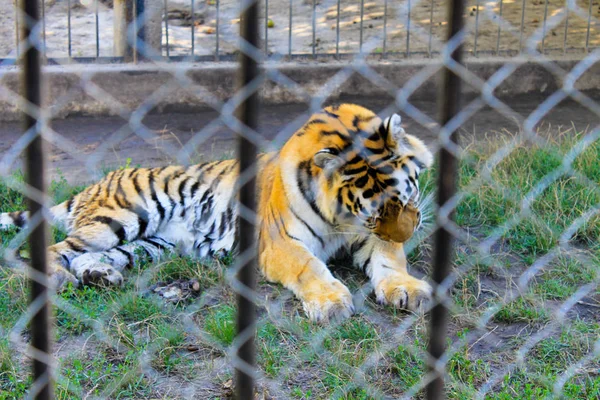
(511,244)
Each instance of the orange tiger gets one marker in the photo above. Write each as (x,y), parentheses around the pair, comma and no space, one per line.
(345,180)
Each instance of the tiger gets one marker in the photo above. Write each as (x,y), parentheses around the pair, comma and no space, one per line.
(346,180)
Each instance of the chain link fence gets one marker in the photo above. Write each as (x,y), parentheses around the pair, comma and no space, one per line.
(511,242)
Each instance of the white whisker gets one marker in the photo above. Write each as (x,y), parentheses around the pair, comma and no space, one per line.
(344,233)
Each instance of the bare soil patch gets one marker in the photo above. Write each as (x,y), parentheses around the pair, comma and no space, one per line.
(425,17)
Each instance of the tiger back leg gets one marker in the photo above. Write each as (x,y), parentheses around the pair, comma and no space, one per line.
(97,235)
(105,267)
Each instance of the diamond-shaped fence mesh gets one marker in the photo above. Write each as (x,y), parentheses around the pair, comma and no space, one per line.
(196,269)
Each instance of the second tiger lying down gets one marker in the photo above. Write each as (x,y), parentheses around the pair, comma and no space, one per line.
(346,179)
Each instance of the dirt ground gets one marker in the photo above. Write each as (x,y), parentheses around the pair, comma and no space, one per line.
(94,144)
(422,21)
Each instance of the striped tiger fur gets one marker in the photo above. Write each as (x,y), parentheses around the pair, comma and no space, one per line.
(346,179)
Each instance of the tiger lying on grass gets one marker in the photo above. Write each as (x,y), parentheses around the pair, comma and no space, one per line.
(344,180)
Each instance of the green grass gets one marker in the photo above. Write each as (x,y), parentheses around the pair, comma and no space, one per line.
(490,204)
(96,374)
(549,359)
(525,308)
(353,341)
(13,382)
(408,366)
(564,276)
(189,341)
(220,323)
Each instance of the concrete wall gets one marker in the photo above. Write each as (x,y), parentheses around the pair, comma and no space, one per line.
(99,90)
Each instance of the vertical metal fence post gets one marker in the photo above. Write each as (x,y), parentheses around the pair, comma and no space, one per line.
(123,16)
(408,30)
(362,17)
(247,114)
(314,28)
(566,30)
(544,25)
(383,50)
(167,27)
(217,26)
(44,27)
(41,326)
(449,103)
(97,29)
(290,33)
(17,29)
(430,29)
(521,29)
(499,29)
(476,28)
(193,26)
(266,28)
(140,36)
(337,31)
(69,42)
(589,24)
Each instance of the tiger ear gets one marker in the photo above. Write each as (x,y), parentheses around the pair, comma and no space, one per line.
(394,130)
(327,160)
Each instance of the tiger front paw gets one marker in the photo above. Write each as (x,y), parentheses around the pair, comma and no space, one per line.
(331,302)
(404,291)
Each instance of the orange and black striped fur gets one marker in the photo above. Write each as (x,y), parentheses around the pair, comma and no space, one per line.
(346,179)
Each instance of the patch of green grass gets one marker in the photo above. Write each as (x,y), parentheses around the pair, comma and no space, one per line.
(14,383)
(466,371)
(13,200)
(525,308)
(553,355)
(356,393)
(527,387)
(10,199)
(13,297)
(336,380)
(353,341)
(175,267)
(299,393)
(562,278)
(492,203)
(119,375)
(407,366)
(546,361)
(220,323)
(61,190)
(275,348)
(168,340)
(135,308)
(91,304)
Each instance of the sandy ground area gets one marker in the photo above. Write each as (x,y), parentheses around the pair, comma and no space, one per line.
(425,16)
(90,146)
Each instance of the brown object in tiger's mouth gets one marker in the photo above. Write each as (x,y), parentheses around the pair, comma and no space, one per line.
(398,223)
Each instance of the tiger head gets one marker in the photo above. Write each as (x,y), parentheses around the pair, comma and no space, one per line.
(367,171)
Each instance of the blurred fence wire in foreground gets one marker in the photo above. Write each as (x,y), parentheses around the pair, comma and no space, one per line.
(436,365)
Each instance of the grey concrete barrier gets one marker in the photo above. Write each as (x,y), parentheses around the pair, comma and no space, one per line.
(100,90)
